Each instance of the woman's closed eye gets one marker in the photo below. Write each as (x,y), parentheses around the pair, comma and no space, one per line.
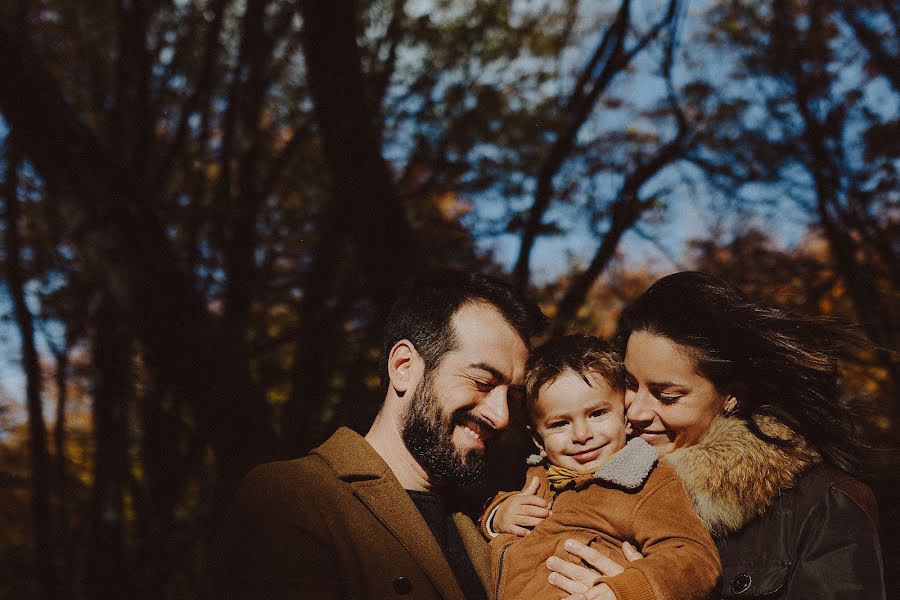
(669,397)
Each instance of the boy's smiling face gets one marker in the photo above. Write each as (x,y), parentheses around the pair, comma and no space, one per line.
(579,425)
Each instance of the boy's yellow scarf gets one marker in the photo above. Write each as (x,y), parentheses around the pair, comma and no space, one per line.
(562,478)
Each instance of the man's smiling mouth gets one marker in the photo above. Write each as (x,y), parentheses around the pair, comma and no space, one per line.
(475,428)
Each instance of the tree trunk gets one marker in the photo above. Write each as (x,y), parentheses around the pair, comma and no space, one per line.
(247,100)
(41,521)
(366,208)
(107,567)
(123,242)
(165,472)
(62,489)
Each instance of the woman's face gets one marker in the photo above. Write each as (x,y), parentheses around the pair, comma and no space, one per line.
(667,402)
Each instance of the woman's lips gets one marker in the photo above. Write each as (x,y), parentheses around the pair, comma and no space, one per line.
(650,436)
(587,455)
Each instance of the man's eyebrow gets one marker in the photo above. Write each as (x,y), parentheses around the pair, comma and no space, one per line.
(495,372)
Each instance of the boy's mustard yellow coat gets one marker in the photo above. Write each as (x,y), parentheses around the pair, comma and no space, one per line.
(656,515)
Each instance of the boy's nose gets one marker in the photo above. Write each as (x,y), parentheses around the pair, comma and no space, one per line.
(581,433)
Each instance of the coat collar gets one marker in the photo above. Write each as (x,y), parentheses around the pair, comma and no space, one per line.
(628,468)
(351,457)
(733,476)
(354,460)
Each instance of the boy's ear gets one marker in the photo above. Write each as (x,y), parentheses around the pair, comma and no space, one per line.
(536,438)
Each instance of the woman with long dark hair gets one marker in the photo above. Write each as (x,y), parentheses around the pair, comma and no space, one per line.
(744,401)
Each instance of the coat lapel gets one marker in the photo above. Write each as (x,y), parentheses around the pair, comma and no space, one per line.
(477,548)
(391,505)
(374,484)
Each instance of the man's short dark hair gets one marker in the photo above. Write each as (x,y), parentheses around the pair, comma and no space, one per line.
(424,307)
(586,355)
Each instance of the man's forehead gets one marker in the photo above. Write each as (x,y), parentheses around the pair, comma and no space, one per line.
(481,319)
(485,337)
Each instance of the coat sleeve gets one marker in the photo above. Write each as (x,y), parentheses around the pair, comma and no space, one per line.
(840,554)
(273,546)
(680,558)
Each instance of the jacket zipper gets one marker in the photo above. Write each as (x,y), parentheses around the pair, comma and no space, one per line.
(500,568)
(553,499)
(503,554)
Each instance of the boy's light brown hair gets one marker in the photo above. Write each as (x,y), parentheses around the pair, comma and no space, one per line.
(586,355)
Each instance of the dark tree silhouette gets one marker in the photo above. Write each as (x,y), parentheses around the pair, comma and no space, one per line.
(37,429)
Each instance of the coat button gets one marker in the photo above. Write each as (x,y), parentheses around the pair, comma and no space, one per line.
(740,583)
(402,585)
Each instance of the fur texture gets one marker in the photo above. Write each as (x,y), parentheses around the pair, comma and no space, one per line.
(733,476)
(534,460)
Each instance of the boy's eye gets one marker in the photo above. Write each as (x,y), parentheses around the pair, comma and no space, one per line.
(598,413)
(557,424)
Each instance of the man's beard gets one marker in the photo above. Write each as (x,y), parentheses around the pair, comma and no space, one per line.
(427,432)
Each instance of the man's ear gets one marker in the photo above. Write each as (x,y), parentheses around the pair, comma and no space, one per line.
(404,366)
(537,439)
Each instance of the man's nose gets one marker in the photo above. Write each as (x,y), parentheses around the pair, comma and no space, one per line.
(495,409)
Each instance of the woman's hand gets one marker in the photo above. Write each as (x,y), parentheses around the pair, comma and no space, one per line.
(520,514)
(581,582)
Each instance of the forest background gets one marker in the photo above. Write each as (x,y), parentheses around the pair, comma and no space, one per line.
(206,206)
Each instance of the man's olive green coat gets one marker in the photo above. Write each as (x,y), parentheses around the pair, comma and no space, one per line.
(337,524)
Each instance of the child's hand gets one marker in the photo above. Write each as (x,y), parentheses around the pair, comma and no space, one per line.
(519,514)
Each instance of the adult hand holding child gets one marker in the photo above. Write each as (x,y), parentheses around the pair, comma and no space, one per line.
(582,583)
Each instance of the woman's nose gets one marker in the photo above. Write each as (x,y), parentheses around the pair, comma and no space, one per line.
(639,409)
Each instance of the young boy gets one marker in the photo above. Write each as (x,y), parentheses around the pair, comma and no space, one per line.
(598,490)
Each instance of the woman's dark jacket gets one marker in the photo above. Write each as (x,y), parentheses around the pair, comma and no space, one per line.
(786,525)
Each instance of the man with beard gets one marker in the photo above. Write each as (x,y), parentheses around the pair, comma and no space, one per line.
(366,517)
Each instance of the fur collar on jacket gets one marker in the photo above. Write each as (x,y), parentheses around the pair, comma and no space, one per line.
(733,476)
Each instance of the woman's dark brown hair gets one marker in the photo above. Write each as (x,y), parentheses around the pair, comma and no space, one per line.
(773,362)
